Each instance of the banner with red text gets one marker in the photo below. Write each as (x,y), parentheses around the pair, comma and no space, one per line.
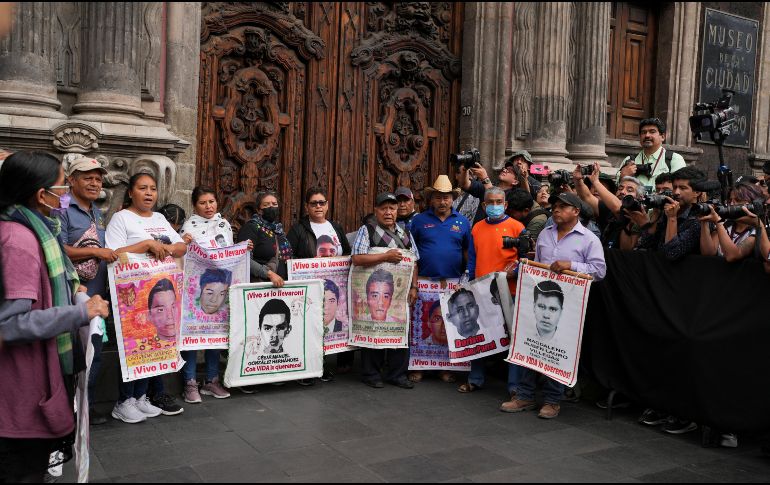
(208,275)
(428,345)
(146,306)
(334,273)
(276,334)
(379,302)
(475,315)
(548,322)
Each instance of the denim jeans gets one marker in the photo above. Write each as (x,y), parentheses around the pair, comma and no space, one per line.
(137,389)
(525,390)
(96,366)
(477,374)
(212,364)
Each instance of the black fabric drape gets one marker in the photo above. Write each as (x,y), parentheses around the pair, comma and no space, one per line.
(690,337)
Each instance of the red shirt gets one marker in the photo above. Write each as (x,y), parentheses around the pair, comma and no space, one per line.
(488,245)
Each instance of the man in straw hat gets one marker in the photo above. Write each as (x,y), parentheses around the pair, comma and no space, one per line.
(443,237)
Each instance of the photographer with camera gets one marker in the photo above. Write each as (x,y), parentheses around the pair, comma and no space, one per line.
(677,231)
(489,252)
(664,182)
(731,231)
(523,208)
(653,160)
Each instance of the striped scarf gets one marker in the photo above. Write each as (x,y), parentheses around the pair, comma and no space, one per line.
(61,274)
(274,230)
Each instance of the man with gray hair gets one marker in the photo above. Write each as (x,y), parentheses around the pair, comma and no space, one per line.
(617,230)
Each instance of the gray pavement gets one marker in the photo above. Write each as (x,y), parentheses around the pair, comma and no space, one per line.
(344,431)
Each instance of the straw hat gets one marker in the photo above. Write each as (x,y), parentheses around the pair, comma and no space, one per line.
(442,185)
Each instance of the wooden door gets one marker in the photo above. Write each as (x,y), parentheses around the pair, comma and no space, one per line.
(354,97)
(632,69)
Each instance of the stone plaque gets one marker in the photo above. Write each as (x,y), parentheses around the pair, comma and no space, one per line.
(729,56)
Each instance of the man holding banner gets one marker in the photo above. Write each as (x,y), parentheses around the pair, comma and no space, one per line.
(384,233)
(566,245)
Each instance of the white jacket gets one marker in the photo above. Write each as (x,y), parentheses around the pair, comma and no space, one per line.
(209,233)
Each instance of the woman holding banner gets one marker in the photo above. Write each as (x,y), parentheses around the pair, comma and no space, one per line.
(314,236)
(271,248)
(37,319)
(210,230)
(137,229)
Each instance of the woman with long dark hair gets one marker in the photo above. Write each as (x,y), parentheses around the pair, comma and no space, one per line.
(38,321)
(137,229)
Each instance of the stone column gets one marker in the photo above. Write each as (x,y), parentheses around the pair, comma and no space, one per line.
(183,22)
(486,95)
(548,142)
(27,62)
(111,38)
(760,139)
(588,120)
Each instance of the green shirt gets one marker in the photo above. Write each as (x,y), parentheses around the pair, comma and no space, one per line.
(658,161)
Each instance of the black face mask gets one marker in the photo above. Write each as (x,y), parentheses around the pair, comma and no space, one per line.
(270,214)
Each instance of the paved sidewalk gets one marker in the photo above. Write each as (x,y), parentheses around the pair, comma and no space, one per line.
(344,431)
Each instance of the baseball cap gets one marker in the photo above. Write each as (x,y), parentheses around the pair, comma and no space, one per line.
(567,198)
(404,192)
(84,164)
(385,197)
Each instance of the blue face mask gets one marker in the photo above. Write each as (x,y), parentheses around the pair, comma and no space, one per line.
(495,211)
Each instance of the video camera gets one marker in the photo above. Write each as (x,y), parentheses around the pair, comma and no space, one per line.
(652,201)
(560,177)
(522,244)
(467,159)
(715,118)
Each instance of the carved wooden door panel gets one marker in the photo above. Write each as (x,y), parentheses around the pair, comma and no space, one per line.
(355,97)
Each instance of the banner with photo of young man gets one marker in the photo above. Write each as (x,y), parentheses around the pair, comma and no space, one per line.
(476,318)
(548,322)
(379,303)
(208,275)
(276,334)
(146,305)
(428,347)
(334,273)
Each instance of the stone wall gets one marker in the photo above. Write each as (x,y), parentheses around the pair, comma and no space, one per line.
(113,80)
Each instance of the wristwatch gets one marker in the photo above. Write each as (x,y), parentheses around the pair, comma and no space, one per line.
(486,181)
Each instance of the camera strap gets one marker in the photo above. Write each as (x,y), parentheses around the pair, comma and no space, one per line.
(654,167)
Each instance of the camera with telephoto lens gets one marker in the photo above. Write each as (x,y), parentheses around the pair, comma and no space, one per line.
(652,201)
(728,211)
(717,117)
(560,177)
(467,159)
(522,244)
(644,169)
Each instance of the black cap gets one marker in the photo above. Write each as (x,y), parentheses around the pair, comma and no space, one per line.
(567,198)
(385,197)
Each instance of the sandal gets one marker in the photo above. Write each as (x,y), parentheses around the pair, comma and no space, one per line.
(446,376)
(415,376)
(467,387)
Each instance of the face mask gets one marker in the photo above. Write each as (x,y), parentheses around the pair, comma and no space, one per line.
(270,214)
(64,201)
(495,211)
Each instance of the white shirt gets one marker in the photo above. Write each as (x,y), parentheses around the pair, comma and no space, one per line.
(127,228)
(209,233)
(326,229)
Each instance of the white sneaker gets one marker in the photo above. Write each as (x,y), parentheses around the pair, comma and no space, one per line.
(145,407)
(729,440)
(55,470)
(127,412)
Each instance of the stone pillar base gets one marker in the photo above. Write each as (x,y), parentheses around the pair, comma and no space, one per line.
(26,99)
(109,107)
(593,153)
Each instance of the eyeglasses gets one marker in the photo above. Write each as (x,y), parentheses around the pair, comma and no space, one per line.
(317,203)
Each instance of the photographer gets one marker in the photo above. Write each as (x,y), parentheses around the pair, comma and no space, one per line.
(524,209)
(561,182)
(653,160)
(608,207)
(733,239)
(664,182)
(677,232)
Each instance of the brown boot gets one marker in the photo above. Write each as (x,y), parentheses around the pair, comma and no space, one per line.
(549,411)
(517,406)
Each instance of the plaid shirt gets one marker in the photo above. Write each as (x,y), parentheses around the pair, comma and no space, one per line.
(361,243)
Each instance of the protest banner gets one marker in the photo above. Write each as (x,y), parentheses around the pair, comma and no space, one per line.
(428,347)
(146,297)
(276,334)
(334,273)
(548,322)
(208,274)
(475,311)
(378,304)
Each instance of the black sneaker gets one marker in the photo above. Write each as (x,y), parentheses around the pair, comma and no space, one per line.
(306,382)
(619,402)
(167,404)
(327,376)
(375,383)
(678,426)
(248,389)
(651,417)
(96,418)
(403,383)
